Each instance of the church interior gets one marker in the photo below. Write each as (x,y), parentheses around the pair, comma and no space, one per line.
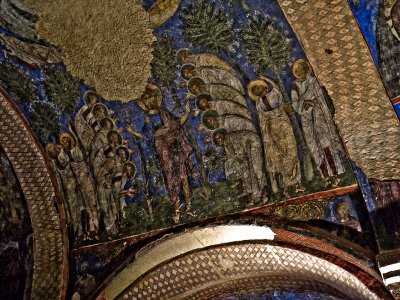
(199,149)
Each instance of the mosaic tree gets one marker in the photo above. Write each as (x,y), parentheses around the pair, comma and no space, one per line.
(269,49)
(17,84)
(210,28)
(62,89)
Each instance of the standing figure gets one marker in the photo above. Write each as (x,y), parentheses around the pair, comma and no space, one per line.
(72,198)
(99,112)
(319,130)
(172,147)
(277,134)
(243,161)
(84,182)
(84,118)
(105,177)
(175,153)
(99,144)
(120,191)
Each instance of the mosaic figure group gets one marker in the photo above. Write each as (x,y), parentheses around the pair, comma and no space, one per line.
(93,167)
(221,99)
(259,145)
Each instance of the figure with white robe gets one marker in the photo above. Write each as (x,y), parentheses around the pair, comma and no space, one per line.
(186,56)
(214,75)
(318,128)
(120,181)
(69,188)
(99,141)
(105,176)
(243,161)
(84,119)
(205,101)
(85,183)
(197,85)
(277,134)
(211,120)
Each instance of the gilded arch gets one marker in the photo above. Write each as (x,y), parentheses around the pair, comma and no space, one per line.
(47,215)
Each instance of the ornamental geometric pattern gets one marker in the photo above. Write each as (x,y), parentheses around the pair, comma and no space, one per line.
(32,173)
(340,57)
(195,273)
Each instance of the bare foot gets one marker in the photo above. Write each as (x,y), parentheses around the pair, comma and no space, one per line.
(335,182)
(300,188)
(286,194)
(191,213)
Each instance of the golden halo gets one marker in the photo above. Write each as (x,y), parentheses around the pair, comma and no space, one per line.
(155,91)
(252,84)
(296,66)
(68,136)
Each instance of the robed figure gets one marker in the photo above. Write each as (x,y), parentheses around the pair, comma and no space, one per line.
(318,128)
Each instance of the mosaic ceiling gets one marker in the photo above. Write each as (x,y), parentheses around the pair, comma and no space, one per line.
(142,117)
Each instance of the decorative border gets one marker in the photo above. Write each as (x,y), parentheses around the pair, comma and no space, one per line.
(200,239)
(50,277)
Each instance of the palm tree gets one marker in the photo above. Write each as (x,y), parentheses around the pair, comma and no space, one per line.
(269,49)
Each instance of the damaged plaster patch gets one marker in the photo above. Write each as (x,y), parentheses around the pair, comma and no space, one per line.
(108,45)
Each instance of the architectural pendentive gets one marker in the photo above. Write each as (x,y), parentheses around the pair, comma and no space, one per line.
(340,57)
(50,273)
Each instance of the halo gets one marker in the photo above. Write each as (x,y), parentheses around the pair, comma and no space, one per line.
(187,66)
(218,131)
(297,64)
(111,133)
(68,136)
(88,93)
(252,84)
(103,121)
(209,113)
(194,80)
(204,95)
(155,91)
(129,163)
(98,105)
(180,52)
(123,148)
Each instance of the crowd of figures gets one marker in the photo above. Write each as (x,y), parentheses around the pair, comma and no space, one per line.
(96,173)
(221,99)
(93,168)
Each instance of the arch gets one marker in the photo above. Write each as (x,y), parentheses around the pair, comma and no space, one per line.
(209,262)
(47,215)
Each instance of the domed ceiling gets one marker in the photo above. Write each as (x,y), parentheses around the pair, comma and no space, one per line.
(145,118)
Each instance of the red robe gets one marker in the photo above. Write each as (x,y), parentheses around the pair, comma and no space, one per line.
(175,153)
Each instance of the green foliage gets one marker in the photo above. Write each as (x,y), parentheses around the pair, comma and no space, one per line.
(163,66)
(266,45)
(17,84)
(62,89)
(207,27)
(225,200)
(44,121)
